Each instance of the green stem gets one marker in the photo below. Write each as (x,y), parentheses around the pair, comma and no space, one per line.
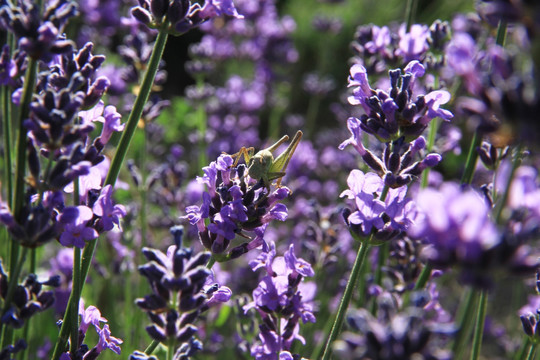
(150,349)
(410,13)
(26,98)
(479,327)
(465,320)
(76,290)
(211,262)
(138,106)
(6,119)
(345,300)
(523,351)
(112,175)
(532,352)
(501,33)
(424,277)
(433,127)
(472,156)
(502,200)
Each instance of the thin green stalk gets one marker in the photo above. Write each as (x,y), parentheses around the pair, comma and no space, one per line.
(410,13)
(464,319)
(17,201)
(532,352)
(6,122)
(150,349)
(211,262)
(424,277)
(114,170)
(501,33)
(347,295)
(472,156)
(479,327)
(433,127)
(76,289)
(504,198)
(524,350)
(138,106)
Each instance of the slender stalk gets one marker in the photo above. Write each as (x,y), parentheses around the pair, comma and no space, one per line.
(524,350)
(211,262)
(410,13)
(465,321)
(424,277)
(112,175)
(6,122)
(479,327)
(501,33)
(433,127)
(472,156)
(532,352)
(150,349)
(76,290)
(138,106)
(347,295)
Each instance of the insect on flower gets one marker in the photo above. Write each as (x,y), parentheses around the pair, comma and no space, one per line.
(263,166)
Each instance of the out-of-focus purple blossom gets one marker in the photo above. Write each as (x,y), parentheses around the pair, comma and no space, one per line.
(462,55)
(181,15)
(40,36)
(327,24)
(317,85)
(393,334)
(280,293)
(457,228)
(8,67)
(413,43)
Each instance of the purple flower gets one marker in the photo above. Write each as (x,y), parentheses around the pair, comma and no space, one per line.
(413,44)
(297,265)
(107,341)
(75,230)
(215,8)
(109,213)
(90,316)
(388,217)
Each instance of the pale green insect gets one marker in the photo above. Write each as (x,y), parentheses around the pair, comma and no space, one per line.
(262,165)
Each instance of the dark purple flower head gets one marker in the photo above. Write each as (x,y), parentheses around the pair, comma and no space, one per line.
(235,203)
(39,34)
(180,16)
(390,115)
(183,287)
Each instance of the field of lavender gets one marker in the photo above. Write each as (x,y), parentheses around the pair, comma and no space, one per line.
(269,179)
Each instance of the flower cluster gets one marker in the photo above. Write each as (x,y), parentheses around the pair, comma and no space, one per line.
(281,299)
(29,298)
(234,203)
(180,16)
(92,316)
(182,289)
(386,218)
(40,36)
